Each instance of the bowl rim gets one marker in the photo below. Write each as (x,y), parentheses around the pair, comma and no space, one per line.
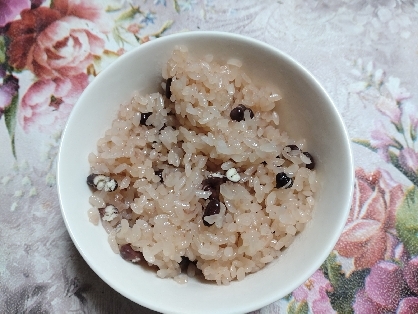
(255,304)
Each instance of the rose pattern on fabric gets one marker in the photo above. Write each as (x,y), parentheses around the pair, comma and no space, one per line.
(66,47)
(48,102)
(57,41)
(366,237)
(23,33)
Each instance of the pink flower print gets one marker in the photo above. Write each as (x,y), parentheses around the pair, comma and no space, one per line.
(91,10)
(408,158)
(399,253)
(47,103)
(314,292)
(413,120)
(411,124)
(365,237)
(385,285)
(387,181)
(120,51)
(7,91)
(134,28)
(389,289)
(408,306)
(9,9)
(382,141)
(398,93)
(60,41)
(65,48)
(364,305)
(389,108)
(410,273)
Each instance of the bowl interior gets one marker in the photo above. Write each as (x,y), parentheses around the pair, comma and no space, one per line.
(306,111)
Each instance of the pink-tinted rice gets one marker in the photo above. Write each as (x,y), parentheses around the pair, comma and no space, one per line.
(191,136)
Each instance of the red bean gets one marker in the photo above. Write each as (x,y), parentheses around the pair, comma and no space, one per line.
(129,254)
(144,117)
(159,173)
(283,181)
(168,87)
(213,208)
(185,261)
(213,184)
(102,182)
(237,114)
(312,164)
(293,147)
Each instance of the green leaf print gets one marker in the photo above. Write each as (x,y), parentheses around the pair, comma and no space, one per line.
(365,143)
(332,270)
(2,49)
(176,6)
(128,14)
(298,308)
(394,159)
(345,288)
(10,118)
(163,28)
(407,221)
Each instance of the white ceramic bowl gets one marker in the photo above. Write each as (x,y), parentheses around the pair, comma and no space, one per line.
(307,111)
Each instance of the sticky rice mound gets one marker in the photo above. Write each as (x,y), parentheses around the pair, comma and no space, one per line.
(160,150)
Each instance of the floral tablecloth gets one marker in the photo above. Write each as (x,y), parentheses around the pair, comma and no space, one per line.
(365,53)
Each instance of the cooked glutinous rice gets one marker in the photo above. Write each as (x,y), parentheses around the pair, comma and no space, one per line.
(170,157)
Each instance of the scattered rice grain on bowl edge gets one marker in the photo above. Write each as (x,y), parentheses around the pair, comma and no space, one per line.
(201,178)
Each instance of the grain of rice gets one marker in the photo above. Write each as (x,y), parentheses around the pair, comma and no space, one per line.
(97,201)
(94,216)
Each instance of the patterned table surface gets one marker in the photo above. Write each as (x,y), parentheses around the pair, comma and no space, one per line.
(364,52)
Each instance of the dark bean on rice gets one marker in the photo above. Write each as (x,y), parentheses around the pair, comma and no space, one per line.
(168,87)
(144,117)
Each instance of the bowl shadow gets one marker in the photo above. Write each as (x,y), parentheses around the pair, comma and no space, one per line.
(92,293)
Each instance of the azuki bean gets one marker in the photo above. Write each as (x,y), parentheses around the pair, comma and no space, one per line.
(213,184)
(168,87)
(213,208)
(283,181)
(159,173)
(144,117)
(293,147)
(102,182)
(185,261)
(237,114)
(312,164)
(129,254)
